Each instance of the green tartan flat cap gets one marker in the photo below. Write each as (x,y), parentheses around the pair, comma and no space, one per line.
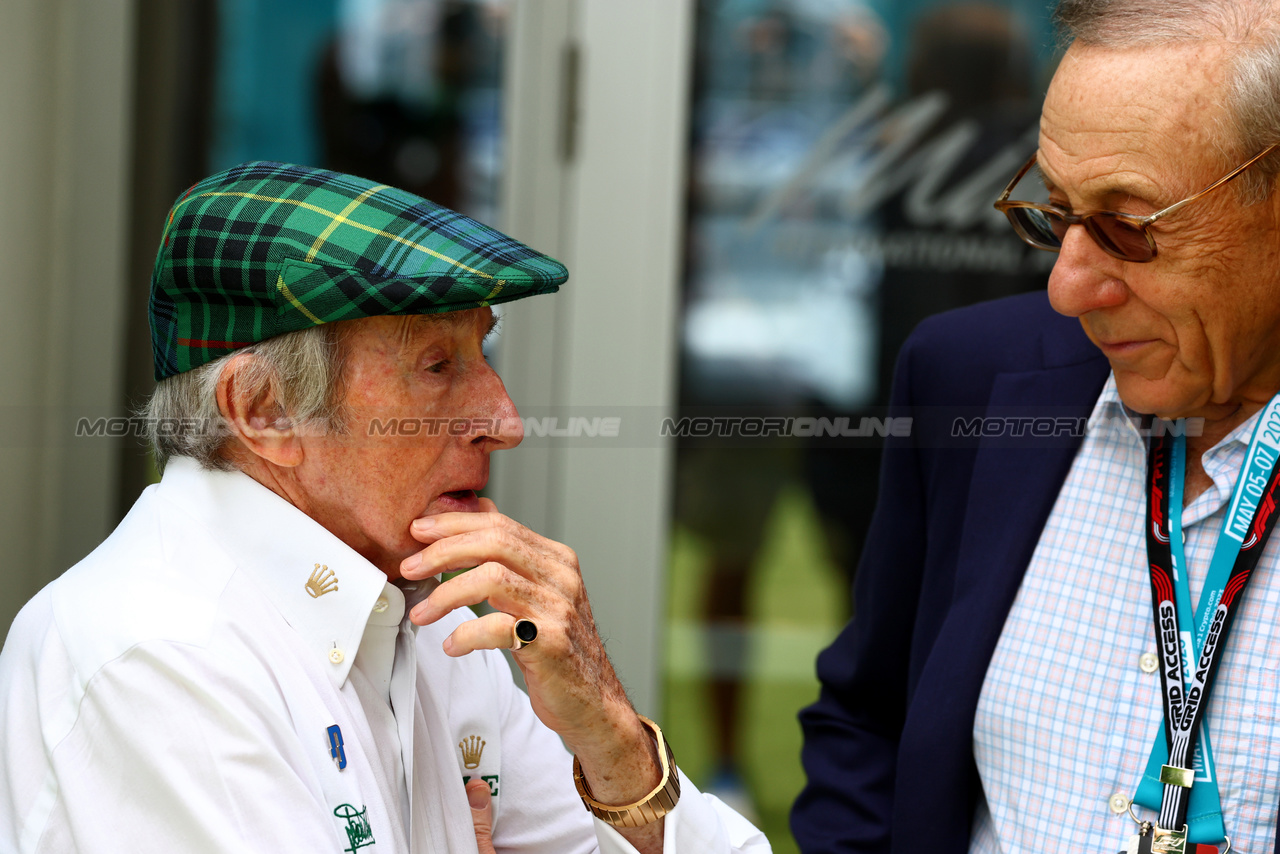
(267,248)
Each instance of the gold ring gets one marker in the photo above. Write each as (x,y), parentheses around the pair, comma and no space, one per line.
(523,633)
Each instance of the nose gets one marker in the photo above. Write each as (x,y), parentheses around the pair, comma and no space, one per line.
(1085,278)
(497,425)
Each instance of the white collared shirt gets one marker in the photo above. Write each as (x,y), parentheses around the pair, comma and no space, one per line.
(223,674)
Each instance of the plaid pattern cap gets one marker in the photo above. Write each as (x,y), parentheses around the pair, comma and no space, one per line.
(267,248)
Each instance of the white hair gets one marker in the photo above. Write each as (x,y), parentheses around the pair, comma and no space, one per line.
(1249,27)
(302,370)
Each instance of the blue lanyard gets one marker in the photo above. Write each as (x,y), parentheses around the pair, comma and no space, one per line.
(1204,813)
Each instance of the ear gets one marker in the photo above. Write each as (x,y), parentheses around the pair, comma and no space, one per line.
(256,419)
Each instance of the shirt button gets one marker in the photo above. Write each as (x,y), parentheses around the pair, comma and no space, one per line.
(1148,662)
(380,606)
(1119,803)
(336,656)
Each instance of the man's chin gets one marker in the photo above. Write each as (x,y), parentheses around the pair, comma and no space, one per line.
(1160,398)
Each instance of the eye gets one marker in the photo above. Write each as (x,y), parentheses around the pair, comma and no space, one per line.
(438,367)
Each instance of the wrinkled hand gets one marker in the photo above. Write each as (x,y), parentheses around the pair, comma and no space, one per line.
(481,815)
(572,685)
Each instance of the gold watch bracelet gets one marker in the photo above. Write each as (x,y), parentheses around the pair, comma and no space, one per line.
(652,806)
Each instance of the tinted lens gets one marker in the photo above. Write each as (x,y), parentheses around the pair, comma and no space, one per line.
(1037,227)
(1119,238)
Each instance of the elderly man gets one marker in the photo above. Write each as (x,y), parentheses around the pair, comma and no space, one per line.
(239,666)
(1046,610)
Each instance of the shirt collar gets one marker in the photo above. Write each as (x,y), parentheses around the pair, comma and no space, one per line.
(1224,460)
(1111,413)
(322,587)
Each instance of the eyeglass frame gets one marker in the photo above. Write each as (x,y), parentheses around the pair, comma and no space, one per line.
(1140,223)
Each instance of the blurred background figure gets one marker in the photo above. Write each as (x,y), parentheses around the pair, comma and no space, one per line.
(409,95)
(844,158)
(764,330)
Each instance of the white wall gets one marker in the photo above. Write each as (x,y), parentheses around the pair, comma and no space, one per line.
(65,83)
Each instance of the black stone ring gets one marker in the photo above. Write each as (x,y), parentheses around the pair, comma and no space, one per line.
(523,633)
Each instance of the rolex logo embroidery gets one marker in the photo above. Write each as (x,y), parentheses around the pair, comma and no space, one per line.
(472,748)
(322,581)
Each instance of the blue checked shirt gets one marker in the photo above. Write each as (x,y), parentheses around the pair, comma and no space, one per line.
(1067,713)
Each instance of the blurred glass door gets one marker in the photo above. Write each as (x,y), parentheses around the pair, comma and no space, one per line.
(405,92)
(844,155)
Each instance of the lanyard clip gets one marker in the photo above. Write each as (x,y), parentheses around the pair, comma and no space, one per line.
(1168,841)
(1172,775)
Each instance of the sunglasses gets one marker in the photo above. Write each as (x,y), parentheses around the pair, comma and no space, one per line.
(1122,236)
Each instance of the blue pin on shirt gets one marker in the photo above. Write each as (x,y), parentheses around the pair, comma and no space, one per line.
(335,747)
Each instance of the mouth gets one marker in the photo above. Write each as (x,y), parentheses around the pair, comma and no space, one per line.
(1124,348)
(458,500)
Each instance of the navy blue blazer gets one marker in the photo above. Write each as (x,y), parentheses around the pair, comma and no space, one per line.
(888,747)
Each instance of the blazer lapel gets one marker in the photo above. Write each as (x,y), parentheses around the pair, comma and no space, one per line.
(1016,479)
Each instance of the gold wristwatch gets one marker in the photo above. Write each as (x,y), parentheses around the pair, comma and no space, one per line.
(652,806)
